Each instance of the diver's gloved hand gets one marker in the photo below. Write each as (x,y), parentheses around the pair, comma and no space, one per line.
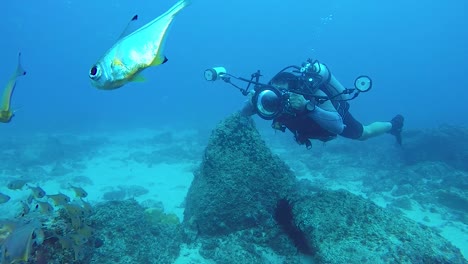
(298,102)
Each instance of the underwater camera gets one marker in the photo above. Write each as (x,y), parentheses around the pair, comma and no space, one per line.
(271,101)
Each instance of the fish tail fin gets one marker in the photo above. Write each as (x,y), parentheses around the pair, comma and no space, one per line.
(19,69)
(169,15)
(178,7)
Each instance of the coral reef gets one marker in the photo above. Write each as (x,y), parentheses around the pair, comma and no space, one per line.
(240,189)
(345,228)
(128,237)
(116,232)
(238,183)
(284,216)
(250,247)
(39,236)
(156,216)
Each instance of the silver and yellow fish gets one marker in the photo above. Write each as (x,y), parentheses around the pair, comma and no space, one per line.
(4,198)
(79,192)
(135,52)
(16,184)
(5,107)
(37,192)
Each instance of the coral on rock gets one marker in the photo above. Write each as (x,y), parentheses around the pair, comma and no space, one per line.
(239,181)
(345,228)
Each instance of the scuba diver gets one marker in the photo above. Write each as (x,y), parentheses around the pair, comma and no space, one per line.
(310,102)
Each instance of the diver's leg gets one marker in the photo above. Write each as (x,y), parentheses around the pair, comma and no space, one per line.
(375,129)
(393,127)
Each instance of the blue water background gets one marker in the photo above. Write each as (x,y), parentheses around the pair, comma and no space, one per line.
(415,51)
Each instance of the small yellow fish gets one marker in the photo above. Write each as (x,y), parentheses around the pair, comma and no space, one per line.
(39,236)
(59,199)
(135,52)
(16,185)
(4,198)
(74,210)
(24,209)
(79,192)
(37,192)
(30,199)
(87,208)
(75,221)
(44,207)
(5,111)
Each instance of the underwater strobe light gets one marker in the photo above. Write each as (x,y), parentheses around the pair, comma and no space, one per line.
(214,73)
(363,83)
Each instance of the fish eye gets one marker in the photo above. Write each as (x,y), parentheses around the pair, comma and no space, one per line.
(94,72)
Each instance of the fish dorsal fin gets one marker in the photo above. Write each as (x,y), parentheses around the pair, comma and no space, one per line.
(19,68)
(129,28)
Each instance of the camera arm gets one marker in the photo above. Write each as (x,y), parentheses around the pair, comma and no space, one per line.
(254,80)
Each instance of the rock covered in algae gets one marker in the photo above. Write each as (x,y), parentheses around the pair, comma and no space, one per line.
(238,182)
(345,228)
(128,237)
(236,193)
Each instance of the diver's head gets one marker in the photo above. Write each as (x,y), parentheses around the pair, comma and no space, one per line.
(286,80)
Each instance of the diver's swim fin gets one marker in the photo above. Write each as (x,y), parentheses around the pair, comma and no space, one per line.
(397,127)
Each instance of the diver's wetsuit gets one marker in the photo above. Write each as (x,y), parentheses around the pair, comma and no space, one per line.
(304,127)
(353,128)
